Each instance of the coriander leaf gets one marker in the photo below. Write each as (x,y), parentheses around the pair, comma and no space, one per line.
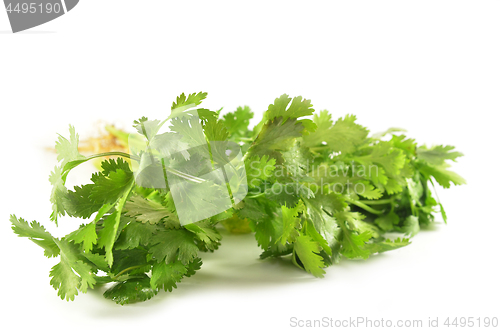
(128,263)
(108,234)
(383,154)
(78,203)
(353,242)
(112,165)
(86,234)
(165,276)
(442,175)
(171,244)
(190,130)
(298,108)
(71,274)
(131,291)
(205,232)
(58,193)
(215,130)
(237,123)
(108,189)
(285,194)
(411,226)
(387,245)
(307,250)
(387,221)
(259,169)
(267,234)
(437,155)
(320,210)
(67,150)
(276,137)
(36,233)
(135,234)
(343,136)
(147,128)
(145,210)
(194,99)
(408,145)
(170,145)
(291,223)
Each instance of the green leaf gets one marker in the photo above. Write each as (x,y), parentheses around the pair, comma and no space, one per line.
(320,210)
(307,250)
(285,194)
(297,109)
(316,190)
(205,232)
(145,210)
(194,99)
(276,137)
(147,128)
(237,123)
(259,169)
(291,223)
(135,234)
(343,136)
(170,245)
(411,226)
(108,189)
(58,193)
(131,291)
(442,175)
(86,235)
(67,150)
(111,165)
(71,274)
(383,154)
(108,234)
(36,233)
(437,155)
(215,130)
(353,237)
(78,203)
(387,221)
(190,130)
(387,245)
(165,276)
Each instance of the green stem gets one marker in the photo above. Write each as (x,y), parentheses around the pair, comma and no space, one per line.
(128,269)
(122,154)
(246,139)
(256,195)
(377,202)
(365,207)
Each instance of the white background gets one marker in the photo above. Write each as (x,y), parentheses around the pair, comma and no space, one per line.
(432,67)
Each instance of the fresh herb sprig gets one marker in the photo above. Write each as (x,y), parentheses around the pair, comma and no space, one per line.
(318,190)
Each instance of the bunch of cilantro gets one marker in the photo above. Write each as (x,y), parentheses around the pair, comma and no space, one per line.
(317,190)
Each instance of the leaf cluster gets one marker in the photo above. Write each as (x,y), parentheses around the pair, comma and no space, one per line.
(316,190)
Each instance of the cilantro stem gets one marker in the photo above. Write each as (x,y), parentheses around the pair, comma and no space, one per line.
(128,269)
(377,202)
(255,195)
(365,207)
(122,154)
